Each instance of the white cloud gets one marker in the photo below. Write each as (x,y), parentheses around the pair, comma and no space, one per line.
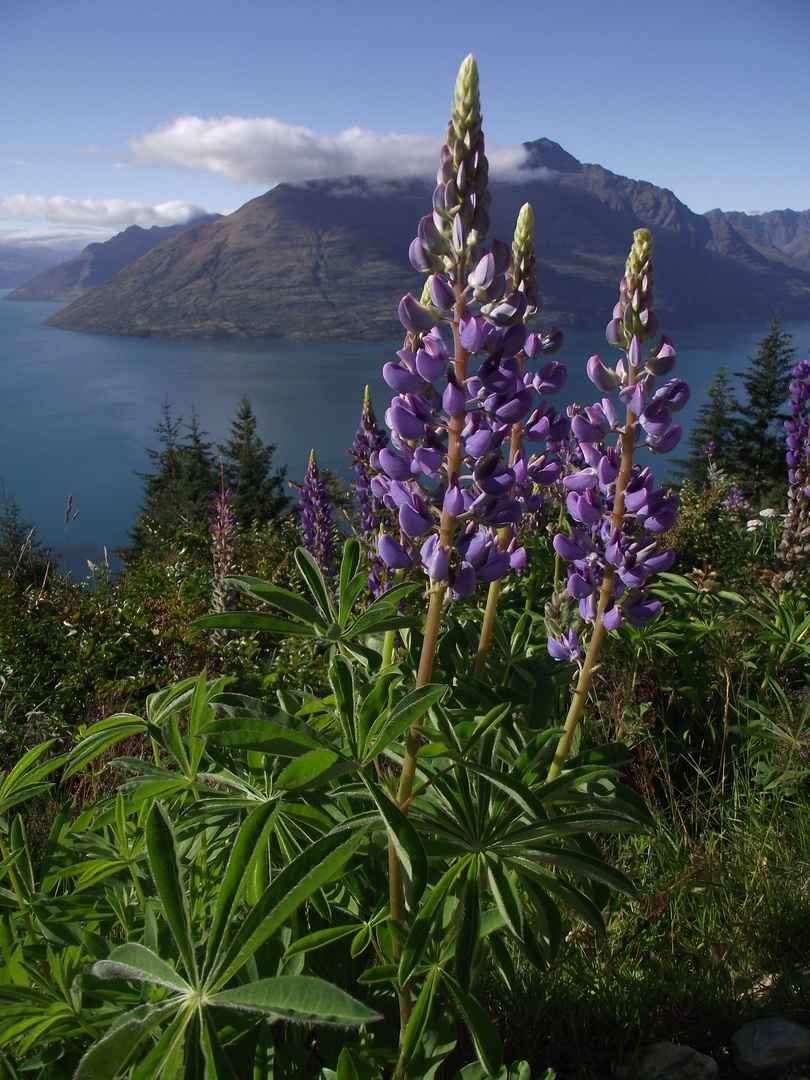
(107,214)
(64,239)
(262,150)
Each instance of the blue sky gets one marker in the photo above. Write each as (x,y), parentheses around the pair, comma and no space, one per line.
(116,112)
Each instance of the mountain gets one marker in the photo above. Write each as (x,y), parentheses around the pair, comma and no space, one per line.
(98,262)
(328,259)
(19,264)
(787,231)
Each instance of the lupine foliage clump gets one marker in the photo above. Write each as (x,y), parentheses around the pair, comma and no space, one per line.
(344,871)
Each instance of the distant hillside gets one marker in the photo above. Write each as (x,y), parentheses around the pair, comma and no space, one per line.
(99,262)
(19,264)
(786,230)
(328,259)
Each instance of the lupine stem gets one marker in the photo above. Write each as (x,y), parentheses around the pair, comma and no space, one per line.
(504,536)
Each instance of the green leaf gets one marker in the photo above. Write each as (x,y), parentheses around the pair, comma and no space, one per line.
(469,926)
(165,867)
(255,621)
(257,725)
(406,841)
(101,737)
(217,1064)
(246,850)
(505,895)
(375,704)
(437,1044)
(321,938)
(311,573)
(318,864)
(350,583)
(317,767)
(289,602)
(342,683)
(390,725)
(297,997)
(420,1017)
(109,1057)
(136,962)
(516,789)
(166,1057)
(380,974)
(419,935)
(169,699)
(174,744)
(487,1044)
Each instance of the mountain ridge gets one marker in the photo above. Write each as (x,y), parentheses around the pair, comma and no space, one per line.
(98,262)
(328,259)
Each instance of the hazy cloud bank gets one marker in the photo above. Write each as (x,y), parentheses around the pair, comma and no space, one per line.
(263,150)
(108,214)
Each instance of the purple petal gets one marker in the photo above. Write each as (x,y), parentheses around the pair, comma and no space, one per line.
(392,553)
(416,318)
(402,380)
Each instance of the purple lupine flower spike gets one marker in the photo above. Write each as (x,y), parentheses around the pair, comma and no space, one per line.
(222,528)
(793,556)
(451,471)
(618,513)
(369,442)
(317,522)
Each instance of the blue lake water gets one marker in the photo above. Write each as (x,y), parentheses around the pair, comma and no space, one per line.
(79,409)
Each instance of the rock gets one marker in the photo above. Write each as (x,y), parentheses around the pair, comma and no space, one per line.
(763,1044)
(668,1061)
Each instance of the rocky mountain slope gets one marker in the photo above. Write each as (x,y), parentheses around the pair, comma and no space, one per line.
(328,259)
(99,262)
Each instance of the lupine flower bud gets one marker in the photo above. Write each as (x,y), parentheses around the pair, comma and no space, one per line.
(793,556)
(222,527)
(317,524)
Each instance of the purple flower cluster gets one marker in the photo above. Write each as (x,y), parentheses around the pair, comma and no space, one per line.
(222,527)
(798,427)
(618,512)
(793,556)
(416,478)
(317,521)
(372,514)
(368,441)
(454,464)
(221,518)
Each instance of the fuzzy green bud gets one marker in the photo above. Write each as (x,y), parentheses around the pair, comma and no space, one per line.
(523,270)
(467,104)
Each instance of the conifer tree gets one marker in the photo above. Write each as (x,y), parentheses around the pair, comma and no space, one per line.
(177,493)
(713,430)
(258,493)
(759,425)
